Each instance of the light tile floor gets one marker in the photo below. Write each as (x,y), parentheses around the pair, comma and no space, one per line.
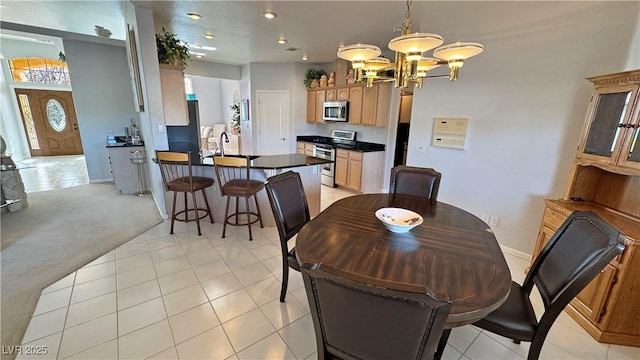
(44,173)
(185,296)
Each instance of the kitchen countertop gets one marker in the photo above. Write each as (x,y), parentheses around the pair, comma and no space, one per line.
(267,162)
(124,144)
(361,146)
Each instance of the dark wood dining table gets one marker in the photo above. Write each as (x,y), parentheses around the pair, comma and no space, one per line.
(453,253)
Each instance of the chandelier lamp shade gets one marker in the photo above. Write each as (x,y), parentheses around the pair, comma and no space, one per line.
(410,64)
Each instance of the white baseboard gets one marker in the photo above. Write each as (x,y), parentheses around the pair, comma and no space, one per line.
(516,253)
(98,181)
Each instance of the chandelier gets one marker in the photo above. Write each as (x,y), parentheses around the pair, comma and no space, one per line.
(410,65)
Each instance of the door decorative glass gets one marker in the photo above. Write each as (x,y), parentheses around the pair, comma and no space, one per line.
(55,115)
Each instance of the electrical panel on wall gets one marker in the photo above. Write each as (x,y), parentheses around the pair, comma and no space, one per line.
(450,132)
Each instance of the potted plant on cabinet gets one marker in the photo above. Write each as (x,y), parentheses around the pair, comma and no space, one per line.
(171,50)
(311,75)
(236,127)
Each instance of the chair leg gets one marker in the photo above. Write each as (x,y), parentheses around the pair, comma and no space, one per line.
(195,206)
(536,347)
(246,202)
(285,278)
(237,211)
(441,344)
(206,202)
(173,211)
(226,213)
(255,197)
(186,208)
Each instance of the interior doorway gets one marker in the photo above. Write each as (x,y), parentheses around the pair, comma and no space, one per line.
(273,122)
(49,121)
(402,135)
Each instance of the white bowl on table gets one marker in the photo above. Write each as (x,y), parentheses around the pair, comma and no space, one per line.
(398,220)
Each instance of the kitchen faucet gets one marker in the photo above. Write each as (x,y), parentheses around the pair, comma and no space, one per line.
(221,145)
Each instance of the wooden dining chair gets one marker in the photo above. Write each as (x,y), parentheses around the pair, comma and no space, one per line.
(291,212)
(177,176)
(415,181)
(234,178)
(583,245)
(355,319)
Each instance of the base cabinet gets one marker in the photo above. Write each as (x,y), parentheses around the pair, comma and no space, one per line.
(359,171)
(125,173)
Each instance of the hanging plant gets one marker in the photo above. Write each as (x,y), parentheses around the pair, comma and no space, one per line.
(236,127)
(171,50)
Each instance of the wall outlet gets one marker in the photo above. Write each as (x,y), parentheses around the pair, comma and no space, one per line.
(160,128)
(485,218)
(493,221)
(421,149)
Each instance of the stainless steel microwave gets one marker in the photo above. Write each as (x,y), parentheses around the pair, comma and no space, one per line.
(335,111)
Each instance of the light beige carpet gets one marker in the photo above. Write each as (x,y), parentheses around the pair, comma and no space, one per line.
(61,231)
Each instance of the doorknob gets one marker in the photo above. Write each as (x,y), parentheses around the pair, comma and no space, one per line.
(283,139)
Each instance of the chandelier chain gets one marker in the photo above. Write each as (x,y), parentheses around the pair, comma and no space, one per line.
(406,24)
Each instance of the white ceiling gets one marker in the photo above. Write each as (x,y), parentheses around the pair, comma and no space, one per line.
(317,28)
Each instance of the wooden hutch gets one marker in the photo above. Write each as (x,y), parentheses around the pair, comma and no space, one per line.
(605,178)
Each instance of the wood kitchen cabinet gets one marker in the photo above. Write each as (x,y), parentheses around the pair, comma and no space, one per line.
(355,105)
(605,179)
(311,106)
(304,148)
(375,105)
(174,99)
(367,106)
(359,171)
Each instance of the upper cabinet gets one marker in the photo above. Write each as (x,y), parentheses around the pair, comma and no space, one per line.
(367,106)
(611,135)
(174,99)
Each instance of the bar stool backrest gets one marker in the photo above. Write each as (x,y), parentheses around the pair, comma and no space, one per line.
(176,170)
(229,169)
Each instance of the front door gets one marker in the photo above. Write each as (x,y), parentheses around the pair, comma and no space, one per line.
(50,122)
(273,122)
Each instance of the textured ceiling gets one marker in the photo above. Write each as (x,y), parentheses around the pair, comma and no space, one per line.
(316,28)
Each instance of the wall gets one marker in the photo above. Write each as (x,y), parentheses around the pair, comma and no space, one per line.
(526,99)
(213,70)
(103,99)
(216,97)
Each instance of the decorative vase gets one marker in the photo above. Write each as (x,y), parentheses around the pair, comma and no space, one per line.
(332,79)
(174,61)
(314,83)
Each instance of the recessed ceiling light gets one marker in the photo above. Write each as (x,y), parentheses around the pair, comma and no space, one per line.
(209,36)
(282,41)
(269,15)
(195,53)
(194,16)
(199,56)
(197,46)
(304,58)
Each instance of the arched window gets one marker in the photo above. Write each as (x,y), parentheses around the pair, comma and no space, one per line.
(39,70)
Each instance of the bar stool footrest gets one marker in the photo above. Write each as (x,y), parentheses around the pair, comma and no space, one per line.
(243,214)
(198,211)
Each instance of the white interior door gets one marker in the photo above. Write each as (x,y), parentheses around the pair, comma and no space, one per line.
(273,122)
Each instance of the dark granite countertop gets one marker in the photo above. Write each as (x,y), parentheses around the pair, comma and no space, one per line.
(124,144)
(359,146)
(271,162)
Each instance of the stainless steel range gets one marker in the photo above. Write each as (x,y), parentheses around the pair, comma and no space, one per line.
(339,138)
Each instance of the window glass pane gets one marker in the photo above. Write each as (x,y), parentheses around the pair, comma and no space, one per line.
(604,129)
(55,115)
(28,122)
(39,70)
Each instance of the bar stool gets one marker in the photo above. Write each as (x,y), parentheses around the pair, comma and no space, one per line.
(177,176)
(233,174)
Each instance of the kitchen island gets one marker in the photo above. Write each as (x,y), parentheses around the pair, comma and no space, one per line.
(262,167)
